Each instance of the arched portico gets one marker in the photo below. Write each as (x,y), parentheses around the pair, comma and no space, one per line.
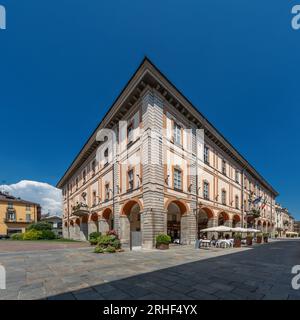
(84,232)
(105,220)
(205,219)
(236,221)
(177,224)
(223,219)
(93,223)
(264,226)
(131,224)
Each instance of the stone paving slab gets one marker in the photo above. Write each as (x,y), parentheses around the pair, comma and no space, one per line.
(260,272)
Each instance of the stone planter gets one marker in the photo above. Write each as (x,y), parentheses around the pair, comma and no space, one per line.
(162,246)
(249,241)
(258,239)
(237,243)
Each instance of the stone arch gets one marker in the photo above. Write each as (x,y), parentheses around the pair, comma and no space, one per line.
(205,218)
(127,206)
(176,219)
(236,221)
(130,223)
(223,218)
(181,204)
(259,225)
(107,218)
(93,223)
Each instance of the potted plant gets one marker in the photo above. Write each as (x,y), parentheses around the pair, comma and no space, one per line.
(237,240)
(259,238)
(266,237)
(163,241)
(249,240)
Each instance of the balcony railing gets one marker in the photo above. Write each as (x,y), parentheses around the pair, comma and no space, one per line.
(80,210)
(10,220)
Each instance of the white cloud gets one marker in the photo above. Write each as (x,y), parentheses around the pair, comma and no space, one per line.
(47,196)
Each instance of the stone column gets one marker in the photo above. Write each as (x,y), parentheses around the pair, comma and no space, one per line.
(213,222)
(92,227)
(103,226)
(76,234)
(153,221)
(124,231)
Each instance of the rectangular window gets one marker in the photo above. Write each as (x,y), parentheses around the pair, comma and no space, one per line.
(84,176)
(130,180)
(11,216)
(177,179)
(224,197)
(237,202)
(177,133)
(28,207)
(28,217)
(206,190)
(106,156)
(107,191)
(94,167)
(94,198)
(10,205)
(206,154)
(237,176)
(130,132)
(224,167)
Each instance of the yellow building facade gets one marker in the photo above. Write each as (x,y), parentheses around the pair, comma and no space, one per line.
(16,214)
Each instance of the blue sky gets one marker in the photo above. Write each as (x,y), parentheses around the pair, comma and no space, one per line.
(63,62)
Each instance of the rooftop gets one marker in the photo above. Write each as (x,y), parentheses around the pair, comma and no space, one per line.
(5,196)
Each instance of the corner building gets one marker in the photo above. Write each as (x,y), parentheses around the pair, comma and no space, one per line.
(148,186)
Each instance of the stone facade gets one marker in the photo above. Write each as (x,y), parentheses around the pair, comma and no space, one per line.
(168,171)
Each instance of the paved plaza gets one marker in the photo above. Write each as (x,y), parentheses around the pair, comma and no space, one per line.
(260,272)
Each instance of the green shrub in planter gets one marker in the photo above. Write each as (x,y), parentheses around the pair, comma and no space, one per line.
(237,240)
(249,240)
(110,249)
(99,250)
(163,239)
(17,236)
(266,237)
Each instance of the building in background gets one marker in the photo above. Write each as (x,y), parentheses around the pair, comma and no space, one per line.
(297,227)
(159,193)
(16,214)
(284,221)
(55,221)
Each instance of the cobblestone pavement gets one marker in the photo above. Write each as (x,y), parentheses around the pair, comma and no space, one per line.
(260,272)
(22,246)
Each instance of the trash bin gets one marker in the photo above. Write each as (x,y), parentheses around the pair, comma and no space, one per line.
(197,244)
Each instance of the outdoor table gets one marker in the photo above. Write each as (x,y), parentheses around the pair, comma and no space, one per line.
(206,243)
(221,242)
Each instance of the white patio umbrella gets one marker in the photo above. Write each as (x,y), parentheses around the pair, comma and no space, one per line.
(253,230)
(239,229)
(217,229)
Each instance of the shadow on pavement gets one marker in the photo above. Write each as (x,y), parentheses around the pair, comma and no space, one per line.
(261,273)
